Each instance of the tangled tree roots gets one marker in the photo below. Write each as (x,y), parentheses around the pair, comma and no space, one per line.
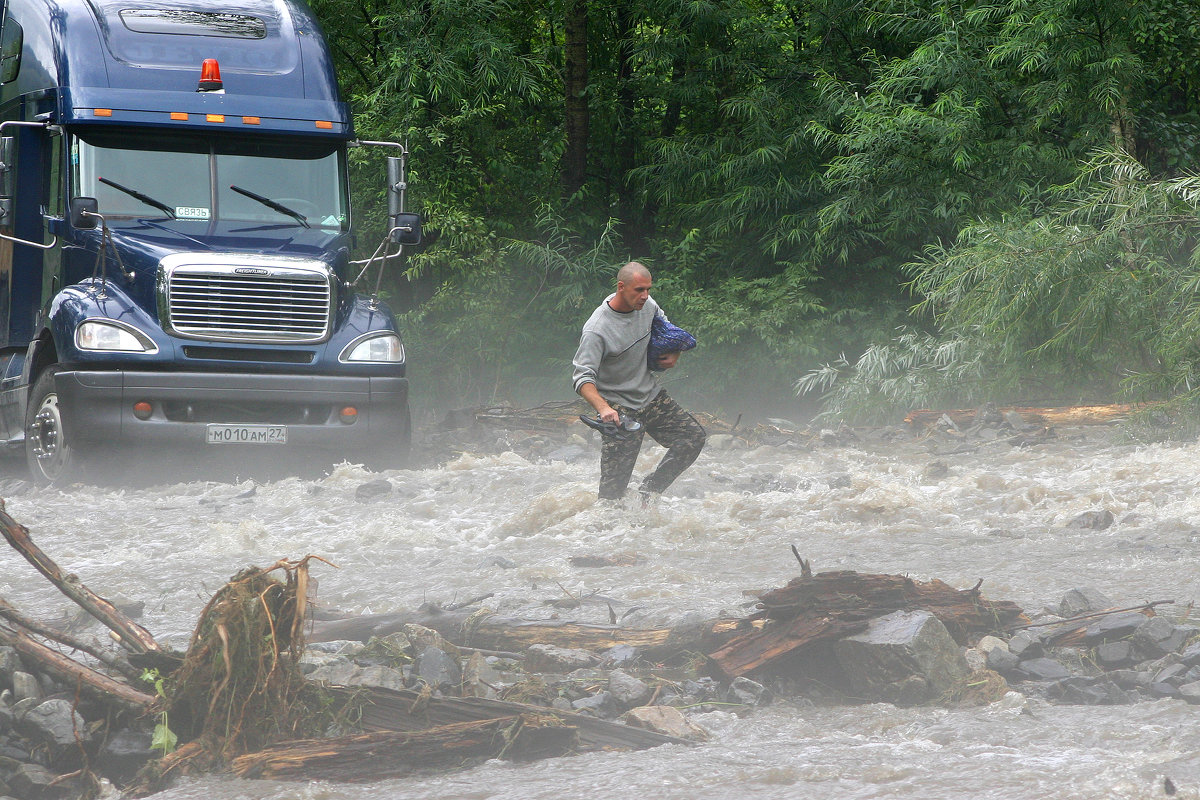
(240,686)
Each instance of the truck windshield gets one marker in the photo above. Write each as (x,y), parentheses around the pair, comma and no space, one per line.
(138,175)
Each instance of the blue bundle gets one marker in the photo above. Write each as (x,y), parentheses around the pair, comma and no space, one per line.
(666,337)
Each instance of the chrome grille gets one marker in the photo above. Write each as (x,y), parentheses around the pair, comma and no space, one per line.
(283,305)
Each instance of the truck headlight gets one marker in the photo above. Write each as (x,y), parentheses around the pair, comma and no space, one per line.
(110,336)
(378,348)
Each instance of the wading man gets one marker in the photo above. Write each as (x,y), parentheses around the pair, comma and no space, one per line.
(612,374)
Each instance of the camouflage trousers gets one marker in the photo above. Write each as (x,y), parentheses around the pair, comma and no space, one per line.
(669,425)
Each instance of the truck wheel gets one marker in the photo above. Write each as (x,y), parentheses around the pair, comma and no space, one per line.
(394,453)
(50,456)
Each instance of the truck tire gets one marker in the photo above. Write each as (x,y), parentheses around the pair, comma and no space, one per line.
(394,453)
(52,459)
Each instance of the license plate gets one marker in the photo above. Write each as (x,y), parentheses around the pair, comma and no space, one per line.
(247,434)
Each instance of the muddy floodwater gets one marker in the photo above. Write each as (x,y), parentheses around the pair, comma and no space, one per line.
(507,524)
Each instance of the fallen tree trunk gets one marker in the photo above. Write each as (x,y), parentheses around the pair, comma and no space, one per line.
(483,630)
(130,635)
(389,754)
(70,672)
(1033,415)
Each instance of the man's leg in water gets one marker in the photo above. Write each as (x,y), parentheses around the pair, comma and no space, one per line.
(678,431)
(617,459)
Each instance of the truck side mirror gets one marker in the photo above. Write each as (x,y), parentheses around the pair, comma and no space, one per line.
(79,219)
(405,228)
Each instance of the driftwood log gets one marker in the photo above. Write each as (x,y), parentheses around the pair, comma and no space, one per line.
(1032,415)
(389,754)
(408,731)
(817,609)
(485,631)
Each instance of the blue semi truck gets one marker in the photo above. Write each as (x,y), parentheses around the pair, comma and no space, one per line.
(175,239)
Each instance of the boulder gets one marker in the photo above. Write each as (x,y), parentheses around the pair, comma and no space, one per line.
(1157,636)
(1026,644)
(665,720)
(1096,520)
(747,692)
(1087,691)
(548,658)
(56,725)
(599,704)
(1083,600)
(344,673)
(1112,655)
(905,657)
(25,686)
(32,780)
(438,669)
(1042,669)
(1119,625)
(626,690)
(479,677)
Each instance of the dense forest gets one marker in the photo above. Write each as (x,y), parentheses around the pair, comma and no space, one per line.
(877,204)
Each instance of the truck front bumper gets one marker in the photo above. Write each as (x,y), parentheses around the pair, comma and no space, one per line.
(97,407)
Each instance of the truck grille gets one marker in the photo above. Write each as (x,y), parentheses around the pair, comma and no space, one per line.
(271,304)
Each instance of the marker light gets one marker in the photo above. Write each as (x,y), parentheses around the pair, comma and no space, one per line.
(348,415)
(210,76)
(107,335)
(324,124)
(142,410)
(379,348)
(102,112)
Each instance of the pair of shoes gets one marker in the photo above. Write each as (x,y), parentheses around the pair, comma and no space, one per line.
(624,428)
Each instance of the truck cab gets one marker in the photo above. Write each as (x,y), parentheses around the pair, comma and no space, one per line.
(175,239)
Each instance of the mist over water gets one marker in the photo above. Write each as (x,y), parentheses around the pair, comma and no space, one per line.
(506,524)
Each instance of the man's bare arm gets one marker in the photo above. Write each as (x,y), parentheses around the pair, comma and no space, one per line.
(589,392)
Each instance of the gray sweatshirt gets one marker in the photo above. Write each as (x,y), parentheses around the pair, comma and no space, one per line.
(612,354)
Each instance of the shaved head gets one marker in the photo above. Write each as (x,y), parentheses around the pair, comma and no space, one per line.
(626,273)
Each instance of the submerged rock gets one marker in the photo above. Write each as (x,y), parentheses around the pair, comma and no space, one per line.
(905,657)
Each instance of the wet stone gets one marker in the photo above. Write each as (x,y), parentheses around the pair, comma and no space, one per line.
(747,692)
(1190,692)
(1131,678)
(1157,637)
(1042,669)
(54,723)
(10,662)
(1097,520)
(1191,654)
(373,490)
(345,673)
(1087,691)
(1026,644)
(438,669)
(1172,674)
(599,704)
(626,690)
(479,677)
(1120,625)
(25,686)
(548,658)
(1083,600)
(34,781)
(903,657)
(621,655)
(665,720)
(1164,690)
(125,752)
(1114,654)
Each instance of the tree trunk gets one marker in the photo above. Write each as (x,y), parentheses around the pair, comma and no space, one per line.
(575,83)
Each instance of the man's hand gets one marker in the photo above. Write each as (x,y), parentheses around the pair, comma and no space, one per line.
(668,360)
(606,412)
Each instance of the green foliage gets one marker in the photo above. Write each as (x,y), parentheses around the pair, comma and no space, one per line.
(1100,294)
(778,165)
(164,739)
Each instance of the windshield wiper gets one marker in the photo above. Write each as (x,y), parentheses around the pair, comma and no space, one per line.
(271,204)
(145,198)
